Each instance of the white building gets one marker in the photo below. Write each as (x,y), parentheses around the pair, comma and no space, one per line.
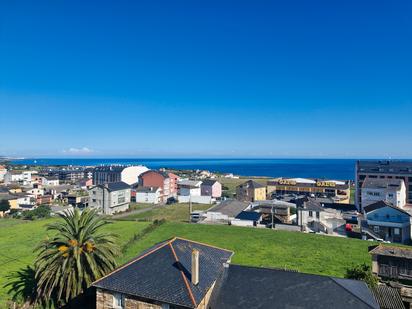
(189,187)
(21,177)
(392,191)
(110,198)
(3,172)
(50,181)
(149,195)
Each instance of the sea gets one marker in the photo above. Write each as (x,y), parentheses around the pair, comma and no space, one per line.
(337,169)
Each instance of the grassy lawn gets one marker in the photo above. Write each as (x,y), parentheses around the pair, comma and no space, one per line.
(309,253)
(18,239)
(231,184)
(175,212)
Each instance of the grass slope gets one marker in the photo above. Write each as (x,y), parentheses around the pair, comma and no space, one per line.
(178,212)
(18,239)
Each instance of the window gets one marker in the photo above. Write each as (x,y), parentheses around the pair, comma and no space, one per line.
(317,215)
(376,229)
(118,301)
(94,200)
(310,213)
(396,231)
(94,192)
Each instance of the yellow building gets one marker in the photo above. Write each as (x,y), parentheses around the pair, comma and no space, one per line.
(251,191)
(339,191)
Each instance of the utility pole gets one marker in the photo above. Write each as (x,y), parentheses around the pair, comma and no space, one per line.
(271,212)
(190,207)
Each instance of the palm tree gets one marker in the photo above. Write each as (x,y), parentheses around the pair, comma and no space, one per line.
(77,254)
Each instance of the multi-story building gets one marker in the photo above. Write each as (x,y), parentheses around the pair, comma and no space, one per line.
(167,182)
(21,177)
(390,190)
(110,198)
(211,187)
(251,191)
(383,170)
(67,176)
(116,173)
(339,191)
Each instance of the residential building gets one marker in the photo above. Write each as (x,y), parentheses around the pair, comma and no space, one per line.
(21,177)
(189,187)
(110,198)
(392,191)
(383,170)
(211,187)
(224,212)
(50,181)
(251,191)
(67,176)
(116,173)
(44,199)
(150,195)
(167,182)
(78,200)
(390,262)
(180,273)
(339,191)
(3,172)
(382,220)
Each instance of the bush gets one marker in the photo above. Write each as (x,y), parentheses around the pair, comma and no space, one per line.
(362,272)
(43,211)
(4,205)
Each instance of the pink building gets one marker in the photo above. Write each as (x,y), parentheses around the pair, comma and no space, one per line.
(211,188)
(167,182)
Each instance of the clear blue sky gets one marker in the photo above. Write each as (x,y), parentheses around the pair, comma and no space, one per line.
(206,78)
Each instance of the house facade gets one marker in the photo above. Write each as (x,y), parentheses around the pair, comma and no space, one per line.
(149,195)
(251,191)
(390,262)
(211,187)
(167,182)
(392,191)
(110,198)
(385,221)
(21,177)
(3,172)
(383,169)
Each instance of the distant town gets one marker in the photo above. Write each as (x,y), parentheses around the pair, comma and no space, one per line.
(376,207)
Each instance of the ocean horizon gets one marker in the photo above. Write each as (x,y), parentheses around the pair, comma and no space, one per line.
(342,169)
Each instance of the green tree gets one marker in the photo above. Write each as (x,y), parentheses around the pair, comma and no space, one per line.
(362,272)
(4,205)
(78,254)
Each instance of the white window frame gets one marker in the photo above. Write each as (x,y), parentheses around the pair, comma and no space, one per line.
(116,298)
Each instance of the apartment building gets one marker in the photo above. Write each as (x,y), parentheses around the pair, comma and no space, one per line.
(383,170)
(167,182)
(116,173)
(110,198)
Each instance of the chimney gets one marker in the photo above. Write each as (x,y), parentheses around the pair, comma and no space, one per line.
(195,266)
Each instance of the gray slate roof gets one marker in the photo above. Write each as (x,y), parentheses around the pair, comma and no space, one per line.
(388,297)
(382,183)
(117,186)
(244,287)
(392,251)
(251,184)
(230,208)
(381,204)
(163,273)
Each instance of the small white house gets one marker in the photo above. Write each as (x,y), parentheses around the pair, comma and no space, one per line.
(392,191)
(149,195)
(50,181)
(189,187)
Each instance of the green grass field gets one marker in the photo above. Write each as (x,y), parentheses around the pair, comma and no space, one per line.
(259,247)
(178,212)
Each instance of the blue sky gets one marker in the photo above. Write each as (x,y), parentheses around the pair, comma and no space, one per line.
(206,78)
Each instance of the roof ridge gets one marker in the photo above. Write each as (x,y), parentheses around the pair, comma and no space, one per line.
(132,261)
(192,298)
(350,292)
(201,243)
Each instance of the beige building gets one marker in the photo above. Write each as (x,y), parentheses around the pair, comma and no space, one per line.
(251,191)
(339,191)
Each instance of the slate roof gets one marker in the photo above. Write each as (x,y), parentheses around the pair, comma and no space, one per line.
(117,186)
(208,182)
(230,208)
(392,251)
(381,204)
(249,215)
(163,273)
(382,183)
(147,189)
(251,184)
(244,287)
(388,297)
